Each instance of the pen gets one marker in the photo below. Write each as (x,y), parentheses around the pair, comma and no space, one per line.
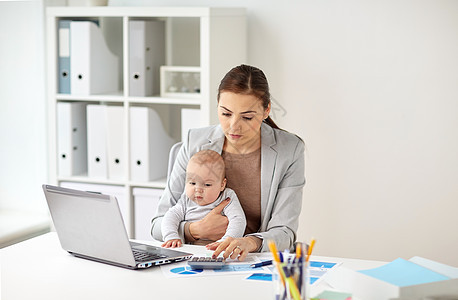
(273,249)
(312,244)
(261,264)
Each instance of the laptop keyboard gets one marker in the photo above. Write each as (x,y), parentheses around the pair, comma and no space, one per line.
(145,256)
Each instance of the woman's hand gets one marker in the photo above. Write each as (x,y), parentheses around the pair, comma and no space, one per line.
(234,248)
(213,226)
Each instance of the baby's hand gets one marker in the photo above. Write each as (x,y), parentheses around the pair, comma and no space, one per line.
(172,243)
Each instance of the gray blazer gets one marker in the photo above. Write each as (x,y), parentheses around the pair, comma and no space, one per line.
(282,181)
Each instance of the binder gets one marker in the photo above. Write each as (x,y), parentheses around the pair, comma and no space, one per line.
(64,57)
(71,138)
(146,55)
(149,145)
(115,142)
(145,206)
(94,69)
(190,118)
(97,141)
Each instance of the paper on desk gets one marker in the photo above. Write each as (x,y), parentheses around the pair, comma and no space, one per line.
(182,269)
(317,271)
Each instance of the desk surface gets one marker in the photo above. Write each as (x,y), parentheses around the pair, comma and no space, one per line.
(40,269)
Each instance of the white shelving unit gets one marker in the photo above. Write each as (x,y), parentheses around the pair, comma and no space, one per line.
(213,39)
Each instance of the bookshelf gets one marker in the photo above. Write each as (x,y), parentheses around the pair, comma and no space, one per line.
(199,37)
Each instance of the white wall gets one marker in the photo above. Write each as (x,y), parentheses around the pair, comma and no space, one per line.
(372,88)
(22,106)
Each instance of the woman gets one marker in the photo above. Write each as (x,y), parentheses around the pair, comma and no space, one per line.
(264,166)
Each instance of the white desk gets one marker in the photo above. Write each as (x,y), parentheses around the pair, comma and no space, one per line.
(39,269)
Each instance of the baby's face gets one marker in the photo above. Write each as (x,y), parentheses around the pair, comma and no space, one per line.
(203,184)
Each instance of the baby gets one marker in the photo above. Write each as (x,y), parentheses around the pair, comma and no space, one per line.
(205,189)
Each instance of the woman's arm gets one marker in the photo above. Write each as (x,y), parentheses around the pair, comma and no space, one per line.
(286,207)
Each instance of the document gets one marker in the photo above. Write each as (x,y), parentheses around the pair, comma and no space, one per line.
(231,267)
(397,279)
(146,55)
(71,139)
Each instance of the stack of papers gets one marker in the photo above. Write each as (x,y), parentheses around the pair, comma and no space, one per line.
(400,279)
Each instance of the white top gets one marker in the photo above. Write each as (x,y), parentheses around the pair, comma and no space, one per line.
(188,210)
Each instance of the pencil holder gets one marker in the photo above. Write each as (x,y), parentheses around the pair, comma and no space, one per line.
(290,280)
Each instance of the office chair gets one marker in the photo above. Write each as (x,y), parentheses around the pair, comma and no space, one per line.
(172,157)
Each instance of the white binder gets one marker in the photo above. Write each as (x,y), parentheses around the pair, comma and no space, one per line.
(97,141)
(64,57)
(190,118)
(71,138)
(94,67)
(149,145)
(115,142)
(145,206)
(146,55)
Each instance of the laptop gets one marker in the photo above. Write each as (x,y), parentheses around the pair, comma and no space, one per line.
(90,225)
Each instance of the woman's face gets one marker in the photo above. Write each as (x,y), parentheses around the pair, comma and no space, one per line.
(240,117)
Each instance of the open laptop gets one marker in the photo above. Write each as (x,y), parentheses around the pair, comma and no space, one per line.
(90,226)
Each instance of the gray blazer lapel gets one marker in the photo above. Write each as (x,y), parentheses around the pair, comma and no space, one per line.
(268,161)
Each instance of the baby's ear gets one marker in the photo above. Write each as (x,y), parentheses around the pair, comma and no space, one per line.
(223,184)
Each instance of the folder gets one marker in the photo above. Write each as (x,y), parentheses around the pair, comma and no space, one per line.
(146,55)
(94,68)
(114,190)
(71,138)
(149,145)
(190,118)
(97,141)
(115,142)
(64,57)
(399,279)
(145,206)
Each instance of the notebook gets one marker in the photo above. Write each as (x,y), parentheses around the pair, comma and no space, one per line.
(90,226)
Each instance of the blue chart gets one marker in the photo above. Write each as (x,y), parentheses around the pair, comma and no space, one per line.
(235,268)
(186,271)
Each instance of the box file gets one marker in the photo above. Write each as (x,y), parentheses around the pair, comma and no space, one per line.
(146,55)
(71,138)
(190,118)
(94,69)
(115,142)
(64,57)
(149,145)
(97,141)
(145,206)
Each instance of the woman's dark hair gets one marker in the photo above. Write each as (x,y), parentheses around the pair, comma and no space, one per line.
(248,80)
